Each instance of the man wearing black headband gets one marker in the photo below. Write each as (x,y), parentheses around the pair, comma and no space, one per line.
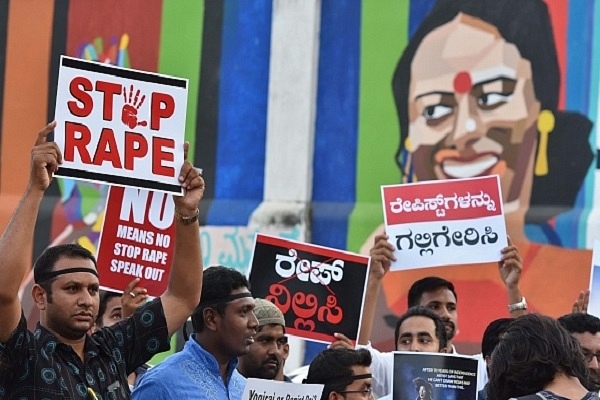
(344,372)
(60,360)
(224,328)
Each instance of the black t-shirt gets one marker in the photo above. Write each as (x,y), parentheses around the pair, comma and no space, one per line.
(37,365)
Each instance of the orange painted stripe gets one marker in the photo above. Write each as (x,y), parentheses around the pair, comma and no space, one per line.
(28,50)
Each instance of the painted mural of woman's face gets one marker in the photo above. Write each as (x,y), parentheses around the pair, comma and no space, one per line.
(472,108)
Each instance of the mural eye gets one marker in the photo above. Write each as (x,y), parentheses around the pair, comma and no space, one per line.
(436,112)
(492,100)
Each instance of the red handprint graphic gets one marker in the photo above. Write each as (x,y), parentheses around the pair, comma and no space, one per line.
(130,108)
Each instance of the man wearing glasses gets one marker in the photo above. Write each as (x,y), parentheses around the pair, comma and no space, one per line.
(270,348)
(346,374)
(585,328)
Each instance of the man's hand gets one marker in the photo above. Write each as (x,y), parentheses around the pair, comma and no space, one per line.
(342,342)
(510,265)
(382,255)
(45,159)
(193,187)
(581,304)
(133,297)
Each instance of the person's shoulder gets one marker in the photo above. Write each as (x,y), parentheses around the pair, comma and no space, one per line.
(167,365)
(21,334)
(150,383)
(156,376)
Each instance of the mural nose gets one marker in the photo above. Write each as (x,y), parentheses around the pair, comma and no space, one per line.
(467,126)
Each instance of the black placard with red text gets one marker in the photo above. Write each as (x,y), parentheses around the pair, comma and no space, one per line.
(320,290)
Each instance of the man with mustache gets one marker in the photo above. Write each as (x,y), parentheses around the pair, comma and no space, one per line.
(420,330)
(434,293)
(60,359)
(268,352)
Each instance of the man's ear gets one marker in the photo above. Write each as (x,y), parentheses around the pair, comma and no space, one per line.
(488,360)
(286,351)
(211,318)
(39,297)
(444,350)
(334,396)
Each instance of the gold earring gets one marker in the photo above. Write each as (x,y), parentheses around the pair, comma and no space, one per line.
(545,125)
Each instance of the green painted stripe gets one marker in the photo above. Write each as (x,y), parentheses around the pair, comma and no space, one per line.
(179,55)
(384,32)
(180,49)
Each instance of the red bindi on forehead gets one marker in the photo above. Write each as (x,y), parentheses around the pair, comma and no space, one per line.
(463,82)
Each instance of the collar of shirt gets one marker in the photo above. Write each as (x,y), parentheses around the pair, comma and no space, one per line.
(49,343)
(208,359)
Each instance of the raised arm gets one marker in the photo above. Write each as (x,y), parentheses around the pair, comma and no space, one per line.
(16,243)
(510,267)
(185,281)
(382,255)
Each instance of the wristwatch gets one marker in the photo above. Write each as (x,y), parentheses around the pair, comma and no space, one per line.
(186,220)
(522,305)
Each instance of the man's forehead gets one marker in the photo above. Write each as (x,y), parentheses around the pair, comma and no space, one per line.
(590,341)
(64,264)
(244,299)
(271,330)
(114,303)
(76,273)
(358,370)
(417,324)
(440,295)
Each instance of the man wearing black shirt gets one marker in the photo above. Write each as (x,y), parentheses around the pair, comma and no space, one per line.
(60,360)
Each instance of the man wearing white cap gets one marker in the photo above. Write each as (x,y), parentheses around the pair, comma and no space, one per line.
(270,349)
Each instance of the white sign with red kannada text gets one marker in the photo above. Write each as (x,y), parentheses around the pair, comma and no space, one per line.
(434,223)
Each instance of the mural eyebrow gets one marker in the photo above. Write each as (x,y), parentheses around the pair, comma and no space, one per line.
(503,79)
(439,93)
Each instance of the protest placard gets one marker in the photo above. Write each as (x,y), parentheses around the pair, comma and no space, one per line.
(266,389)
(137,240)
(120,126)
(594,302)
(320,290)
(433,223)
(429,376)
